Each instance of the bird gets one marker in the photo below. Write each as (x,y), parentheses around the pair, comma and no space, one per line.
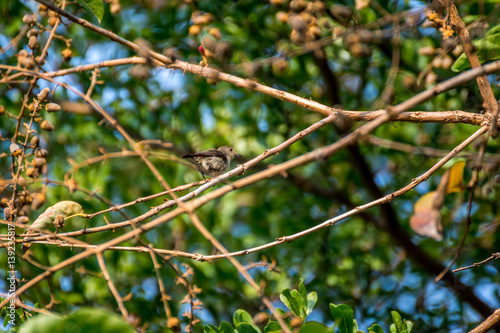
(212,162)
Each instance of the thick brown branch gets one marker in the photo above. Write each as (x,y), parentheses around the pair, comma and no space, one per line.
(490,103)
(490,323)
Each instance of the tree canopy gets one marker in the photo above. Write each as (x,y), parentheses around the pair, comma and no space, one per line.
(368,174)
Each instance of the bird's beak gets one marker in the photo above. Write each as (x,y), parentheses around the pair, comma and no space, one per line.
(238,155)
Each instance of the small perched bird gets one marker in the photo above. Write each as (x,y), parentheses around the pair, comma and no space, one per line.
(212,162)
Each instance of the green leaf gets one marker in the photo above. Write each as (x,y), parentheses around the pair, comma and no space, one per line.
(375,329)
(314,327)
(65,208)
(281,312)
(409,325)
(303,293)
(6,321)
(470,18)
(242,321)
(297,296)
(85,319)
(95,6)
(292,300)
(226,327)
(241,316)
(487,48)
(399,326)
(343,316)
(210,329)
(355,326)
(493,31)
(312,299)
(272,327)
(247,328)
(43,324)
(308,300)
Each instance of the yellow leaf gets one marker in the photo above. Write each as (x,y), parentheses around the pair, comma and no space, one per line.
(426,219)
(456,181)
(427,223)
(360,4)
(425,203)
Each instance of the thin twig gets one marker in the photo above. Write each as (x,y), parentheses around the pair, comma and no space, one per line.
(112,286)
(421,150)
(495,256)
(164,297)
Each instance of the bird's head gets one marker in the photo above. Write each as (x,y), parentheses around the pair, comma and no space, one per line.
(229,152)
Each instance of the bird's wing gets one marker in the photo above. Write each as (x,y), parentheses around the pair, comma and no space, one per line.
(207,153)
